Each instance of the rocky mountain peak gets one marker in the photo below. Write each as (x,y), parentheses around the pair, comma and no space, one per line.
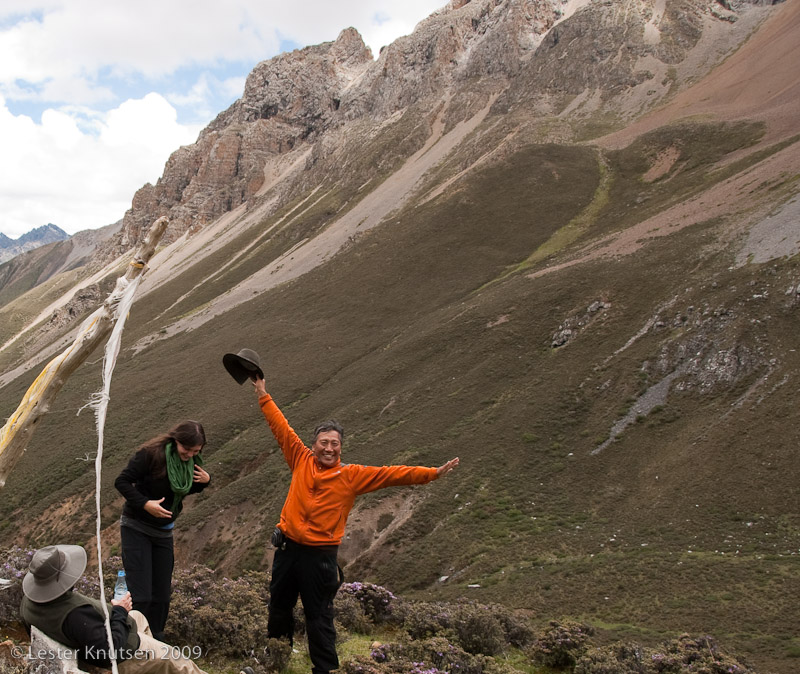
(44,234)
(532,52)
(287,100)
(296,97)
(35,238)
(300,88)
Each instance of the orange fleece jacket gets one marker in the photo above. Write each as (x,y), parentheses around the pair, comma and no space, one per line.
(319,499)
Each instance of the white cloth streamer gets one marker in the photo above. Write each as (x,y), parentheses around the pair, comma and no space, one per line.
(119,302)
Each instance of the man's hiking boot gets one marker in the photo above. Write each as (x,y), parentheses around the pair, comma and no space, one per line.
(247,670)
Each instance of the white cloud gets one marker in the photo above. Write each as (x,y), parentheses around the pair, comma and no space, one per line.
(87,66)
(80,39)
(58,172)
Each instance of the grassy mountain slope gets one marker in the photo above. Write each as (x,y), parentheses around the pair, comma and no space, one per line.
(576,321)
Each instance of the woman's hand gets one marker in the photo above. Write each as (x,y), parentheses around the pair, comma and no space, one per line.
(200,475)
(443,470)
(154,508)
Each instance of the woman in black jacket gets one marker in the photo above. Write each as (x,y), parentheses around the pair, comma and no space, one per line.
(162,471)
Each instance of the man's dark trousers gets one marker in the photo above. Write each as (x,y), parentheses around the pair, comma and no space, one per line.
(312,573)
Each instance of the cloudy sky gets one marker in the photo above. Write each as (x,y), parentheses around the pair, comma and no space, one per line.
(96,94)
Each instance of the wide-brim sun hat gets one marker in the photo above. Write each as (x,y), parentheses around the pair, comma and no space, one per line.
(53,571)
(242,365)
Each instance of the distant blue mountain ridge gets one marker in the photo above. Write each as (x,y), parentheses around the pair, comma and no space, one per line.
(38,236)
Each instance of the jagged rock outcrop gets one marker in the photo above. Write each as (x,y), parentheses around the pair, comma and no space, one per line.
(468,47)
(603,48)
(82,301)
(288,99)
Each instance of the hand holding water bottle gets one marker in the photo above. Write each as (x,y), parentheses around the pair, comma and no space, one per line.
(121,595)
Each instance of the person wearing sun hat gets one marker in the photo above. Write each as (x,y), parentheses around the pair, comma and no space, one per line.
(51,604)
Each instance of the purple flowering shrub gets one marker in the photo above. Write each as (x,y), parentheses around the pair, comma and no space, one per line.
(425,619)
(223,616)
(561,644)
(362,665)
(701,654)
(436,652)
(623,658)
(436,655)
(516,626)
(228,617)
(350,614)
(376,602)
(14,567)
(110,568)
(477,628)
(89,583)
(684,655)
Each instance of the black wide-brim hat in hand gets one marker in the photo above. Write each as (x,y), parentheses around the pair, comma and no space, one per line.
(243,365)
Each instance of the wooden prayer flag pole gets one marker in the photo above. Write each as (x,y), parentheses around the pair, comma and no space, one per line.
(16,434)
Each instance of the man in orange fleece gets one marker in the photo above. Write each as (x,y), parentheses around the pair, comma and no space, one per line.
(321,494)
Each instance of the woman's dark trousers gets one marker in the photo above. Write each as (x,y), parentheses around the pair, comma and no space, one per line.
(148,562)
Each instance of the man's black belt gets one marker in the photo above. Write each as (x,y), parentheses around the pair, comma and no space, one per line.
(282,542)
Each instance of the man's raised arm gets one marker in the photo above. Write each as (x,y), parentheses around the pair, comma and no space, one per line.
(290,443)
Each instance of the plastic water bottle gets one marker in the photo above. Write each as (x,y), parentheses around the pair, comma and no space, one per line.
(121,587)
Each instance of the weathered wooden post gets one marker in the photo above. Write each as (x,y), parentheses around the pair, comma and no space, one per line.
(19,428)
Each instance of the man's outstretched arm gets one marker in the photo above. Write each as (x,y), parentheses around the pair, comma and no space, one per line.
(369,478)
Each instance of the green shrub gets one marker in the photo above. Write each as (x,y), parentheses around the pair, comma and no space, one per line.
(377,602)
(562,644)
(273,657)
(350,614)
(477,628)
(221,615)
(684,655)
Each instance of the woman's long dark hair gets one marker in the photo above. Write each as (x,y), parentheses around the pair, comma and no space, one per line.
(188,433)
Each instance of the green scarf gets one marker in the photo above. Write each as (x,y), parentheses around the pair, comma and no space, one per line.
(180,473)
